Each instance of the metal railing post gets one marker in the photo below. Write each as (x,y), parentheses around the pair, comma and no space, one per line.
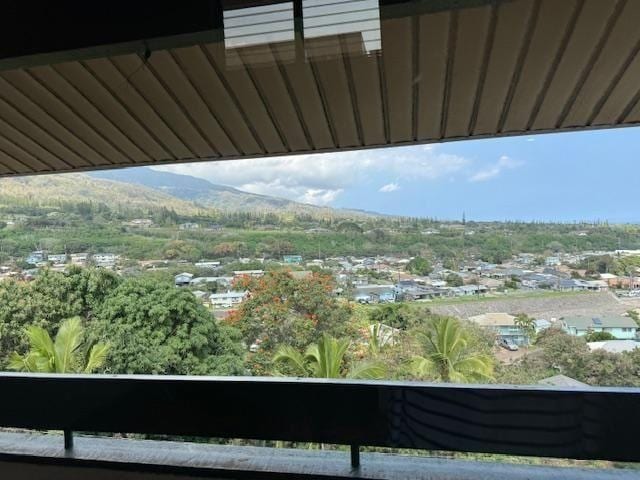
(68,439)
(355,456)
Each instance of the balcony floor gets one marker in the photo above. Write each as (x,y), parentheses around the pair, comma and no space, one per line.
(35,456)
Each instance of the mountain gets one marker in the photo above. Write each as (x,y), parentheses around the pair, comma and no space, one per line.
(143,187)
(206,194)
(51,190)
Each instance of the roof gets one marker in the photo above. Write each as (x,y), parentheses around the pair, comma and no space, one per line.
(603,321)
(562,381)
(493,319)
(224,295)
(187,84)
(615,346)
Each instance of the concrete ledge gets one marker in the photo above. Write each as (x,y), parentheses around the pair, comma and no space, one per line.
(34,456)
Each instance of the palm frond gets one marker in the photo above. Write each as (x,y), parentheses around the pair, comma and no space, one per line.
(97,357)
(293,358)
(39,341)
(67,342)
(370,370)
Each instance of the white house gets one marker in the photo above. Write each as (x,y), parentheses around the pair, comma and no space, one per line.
(227,299)
(57,259)
(79,258)
(105,259)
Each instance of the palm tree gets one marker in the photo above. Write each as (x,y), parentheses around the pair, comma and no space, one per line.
(527,325)
(64,355)
(448,354)
(326,360)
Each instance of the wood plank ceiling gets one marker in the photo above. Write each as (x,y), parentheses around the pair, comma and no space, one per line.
(513,67)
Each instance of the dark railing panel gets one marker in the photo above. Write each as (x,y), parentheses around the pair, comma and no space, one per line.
(590,423)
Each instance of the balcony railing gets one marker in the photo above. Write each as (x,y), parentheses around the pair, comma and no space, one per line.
(576,423)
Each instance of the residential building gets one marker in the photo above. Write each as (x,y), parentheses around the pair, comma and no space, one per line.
(292,259)
(141,223)
(552,261)
(189,226)
(375,294)
(79,258)
(57,259)
(227,299)
(248,273)
(542,324)
(36,257)
(620,327)
(504,326)
(207,264)
(225,281)
(104,259)
(562,381)
(614,346)
(183,279)
(467,290)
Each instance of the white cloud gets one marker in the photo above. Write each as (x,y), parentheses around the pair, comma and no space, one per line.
(495,169)
(321,178)
(530,139)
(389,187)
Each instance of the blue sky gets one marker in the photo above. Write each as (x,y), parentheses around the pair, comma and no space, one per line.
(557,177)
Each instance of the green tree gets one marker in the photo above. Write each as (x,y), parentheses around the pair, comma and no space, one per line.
(65,354)
(599,336)
(47,301)
(454,280)
(156,328)
(419,266)
(326,359)
(397,315)
(448,354)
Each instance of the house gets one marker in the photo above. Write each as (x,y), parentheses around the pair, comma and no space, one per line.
(375,294)
(614,346)
(410,290)
(207,264)
(183,279)
(79,258)
(467,290)
(227,299)
(226,281)
(503,324)
(542,324)
(141,223)
(562,381)
(104,259)
(610,278)
(552,261)
(199,294)
(292,259)
(620,327)
(189,226)
(36,257)
(57,259)
(248,273)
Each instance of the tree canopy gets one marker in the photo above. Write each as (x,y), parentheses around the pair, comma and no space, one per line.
(157,328)
(419,266)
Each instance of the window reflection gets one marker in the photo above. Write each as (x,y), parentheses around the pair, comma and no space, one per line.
(258,25)
(341,26)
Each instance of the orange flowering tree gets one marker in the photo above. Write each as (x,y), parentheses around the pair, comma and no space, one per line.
(284,310)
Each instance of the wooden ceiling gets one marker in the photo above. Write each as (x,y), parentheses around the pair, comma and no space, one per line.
(500,68)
